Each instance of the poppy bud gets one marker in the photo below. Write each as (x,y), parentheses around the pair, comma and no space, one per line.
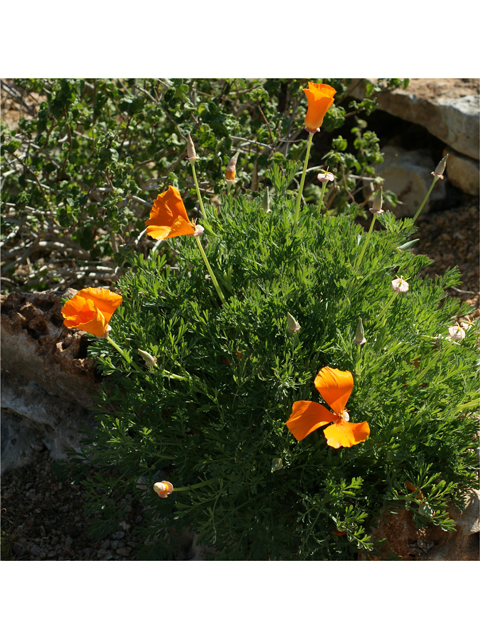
(150,361)
(266,201)
(438,173)
(400,285)
(359,334)
(232,168)
(163,489)
(377,203)
(292,324)
(198,230)
(191,155)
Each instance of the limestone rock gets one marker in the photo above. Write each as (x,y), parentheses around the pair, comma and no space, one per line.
(449,108)
(409,175)
(37,345)
(463,172)
(31,416)
(406,541)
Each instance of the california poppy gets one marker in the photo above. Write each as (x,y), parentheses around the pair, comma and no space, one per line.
(168,217)
(90,310)
(320,99)
(335,388)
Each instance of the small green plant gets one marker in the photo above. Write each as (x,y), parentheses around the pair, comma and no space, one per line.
(208,413)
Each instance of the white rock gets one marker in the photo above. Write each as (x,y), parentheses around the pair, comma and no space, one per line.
(409,175)
(439,106)
(463,172)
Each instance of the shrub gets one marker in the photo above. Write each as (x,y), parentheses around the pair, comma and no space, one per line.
(210,416)
(80,171)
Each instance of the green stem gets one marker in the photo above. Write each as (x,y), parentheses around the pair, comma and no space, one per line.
(387,306)
(435,178)
(192,162)
(320,204)
(365,244)
(302,181)
(212,275)
(124,355)
(196,486)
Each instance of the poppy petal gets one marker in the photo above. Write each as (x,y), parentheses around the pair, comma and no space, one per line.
(307,417)
(346,434)
(320,99)
(335,387)
(168,217)
(103,299)
(81,313)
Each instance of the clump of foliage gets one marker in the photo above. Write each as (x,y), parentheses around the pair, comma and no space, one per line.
(200,368)
(210,416)
(80,170)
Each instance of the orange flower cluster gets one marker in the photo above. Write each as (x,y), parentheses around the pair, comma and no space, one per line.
(335,388)
(90,310)
(320,99)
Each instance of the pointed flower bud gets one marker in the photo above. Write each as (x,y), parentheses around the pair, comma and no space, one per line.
(377,203)
(163,489)
(359,334)
(266,200)
(191,155)
(292,324)
(438,173)
(400,285)
(150,361)
(325,176)
(232,168)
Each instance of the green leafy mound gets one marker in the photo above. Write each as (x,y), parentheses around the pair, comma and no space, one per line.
(222,424)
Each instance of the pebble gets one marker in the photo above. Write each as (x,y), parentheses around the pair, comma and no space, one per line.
(124,551)
(119,535)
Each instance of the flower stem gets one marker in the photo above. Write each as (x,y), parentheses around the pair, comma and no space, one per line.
(212,275)
(302,181)
(435,178)
(195,486)
(192,162)
(387,306)
(320,204)
(365,244)
(124,354)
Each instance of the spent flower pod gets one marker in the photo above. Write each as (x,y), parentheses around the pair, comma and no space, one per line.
(438,173)
(292,324)
(325,176)
(163,489)
(150,361)
(400,285)
(456,332)
(359,333)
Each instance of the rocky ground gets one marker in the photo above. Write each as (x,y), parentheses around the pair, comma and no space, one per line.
(43,517)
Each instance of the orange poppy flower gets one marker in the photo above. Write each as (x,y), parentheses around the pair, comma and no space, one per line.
(168,217)
(90,310)
(335,388)
(320,99)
